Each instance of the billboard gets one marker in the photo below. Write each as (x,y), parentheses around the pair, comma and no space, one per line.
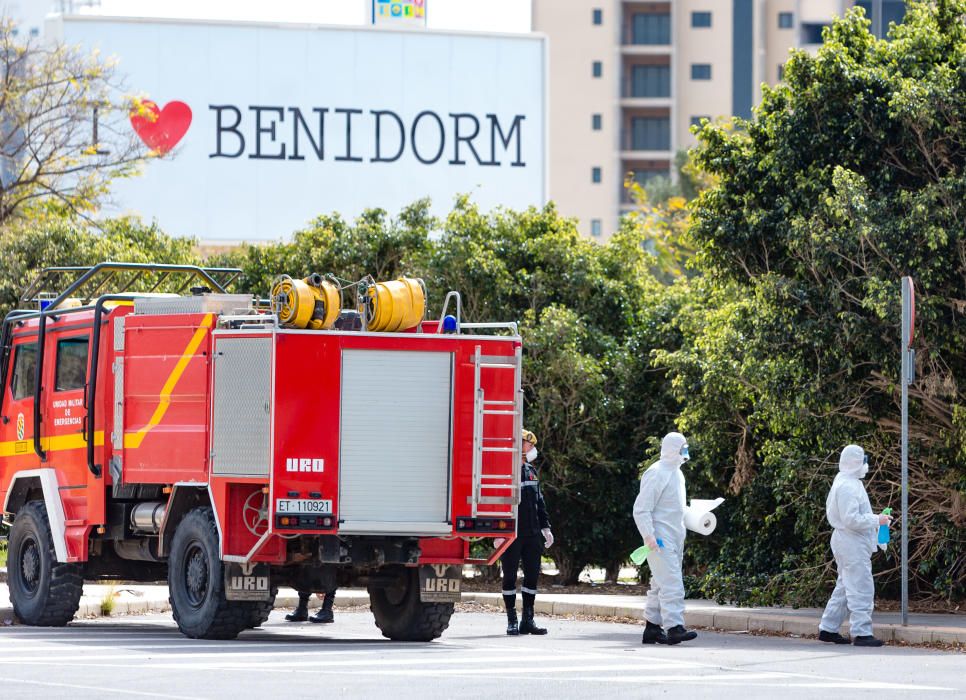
(263,127)
(408,13)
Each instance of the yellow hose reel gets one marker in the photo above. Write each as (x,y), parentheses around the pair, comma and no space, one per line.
(313,302)
(397,305)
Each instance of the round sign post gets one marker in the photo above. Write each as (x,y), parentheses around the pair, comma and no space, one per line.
(908,374)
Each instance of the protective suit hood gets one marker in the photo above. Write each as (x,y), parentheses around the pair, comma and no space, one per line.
(852,462)
(671,450)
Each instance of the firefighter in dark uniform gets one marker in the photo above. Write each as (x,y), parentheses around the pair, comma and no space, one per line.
(533,534)
(301,613)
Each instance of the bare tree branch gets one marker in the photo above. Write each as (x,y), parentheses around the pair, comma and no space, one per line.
(48,96)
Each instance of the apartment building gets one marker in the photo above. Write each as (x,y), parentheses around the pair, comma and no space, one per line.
(628,79)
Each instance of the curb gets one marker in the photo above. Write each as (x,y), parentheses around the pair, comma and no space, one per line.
(724,621)
(90,606)
(739,621)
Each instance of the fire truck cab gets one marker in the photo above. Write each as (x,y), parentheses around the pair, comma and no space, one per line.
(201,438)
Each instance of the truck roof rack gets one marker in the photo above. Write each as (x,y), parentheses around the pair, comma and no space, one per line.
(55,284)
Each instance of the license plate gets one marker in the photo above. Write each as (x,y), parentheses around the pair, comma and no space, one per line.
(440,583)
(254,584)
(303,506)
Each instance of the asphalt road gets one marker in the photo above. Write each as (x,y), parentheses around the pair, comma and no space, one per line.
(146,657)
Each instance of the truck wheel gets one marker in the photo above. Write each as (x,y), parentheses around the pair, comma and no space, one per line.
(401,616)
(43,592)
(196,583)
(260,610)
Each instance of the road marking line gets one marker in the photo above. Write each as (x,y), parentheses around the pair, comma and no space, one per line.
(119,691)
(868,685)
(281,656)
(781,681)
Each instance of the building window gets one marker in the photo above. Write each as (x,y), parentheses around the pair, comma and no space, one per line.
(700,71)
(596,122)
(650,134)
(786,20)
(596,228)
(881,12)
(598,16)
(651,81)
(892,11)
(696,120)
(598,69)
(700,19)
(812,33)
(34,31)
(651,29)
(595,176)
(781,72)
(71,364)
(644,177)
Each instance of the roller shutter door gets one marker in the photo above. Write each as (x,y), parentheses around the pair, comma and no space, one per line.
(394,462)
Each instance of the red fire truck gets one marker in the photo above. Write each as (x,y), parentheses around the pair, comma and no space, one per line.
(230,447)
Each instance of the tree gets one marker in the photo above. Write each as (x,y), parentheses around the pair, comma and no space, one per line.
(64,131)
(591,394)
(852,174)
(374,244)
(662,216)
(26,247)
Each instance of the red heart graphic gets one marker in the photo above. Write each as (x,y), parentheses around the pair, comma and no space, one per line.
(161,129)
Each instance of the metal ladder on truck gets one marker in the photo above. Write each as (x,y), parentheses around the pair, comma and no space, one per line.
(496,483)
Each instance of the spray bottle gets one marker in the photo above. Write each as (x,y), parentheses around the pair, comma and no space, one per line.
(884,530)
(640,554)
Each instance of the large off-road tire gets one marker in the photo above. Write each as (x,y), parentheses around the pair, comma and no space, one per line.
(401,616)
(43,592)
(261,610)
(196,583)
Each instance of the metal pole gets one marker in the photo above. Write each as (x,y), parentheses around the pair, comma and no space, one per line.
(906,342)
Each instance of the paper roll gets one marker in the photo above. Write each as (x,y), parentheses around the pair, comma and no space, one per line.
(701,523)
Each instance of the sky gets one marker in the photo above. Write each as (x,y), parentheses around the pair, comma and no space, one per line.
(470,15)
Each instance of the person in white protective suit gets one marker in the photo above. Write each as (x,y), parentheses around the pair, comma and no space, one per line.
(659,515)
(854,539)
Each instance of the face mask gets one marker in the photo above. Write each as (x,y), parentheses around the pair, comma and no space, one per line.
(684,453)
(532,454)
(865,467)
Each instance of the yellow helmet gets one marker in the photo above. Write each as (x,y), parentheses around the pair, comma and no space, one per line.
(529,437)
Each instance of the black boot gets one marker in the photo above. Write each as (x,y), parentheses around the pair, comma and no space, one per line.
(325,612)
(512,628)
(678,634)
(527,625)
(864,641)
(832,637)
(510,603)
(653,634)
(301,613)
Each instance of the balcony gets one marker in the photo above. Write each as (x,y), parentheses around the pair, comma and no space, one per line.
(646,50)
(646,27)
(818,11)
(646,135)
(646,82)
(646,155)
(643,171)
(647,102)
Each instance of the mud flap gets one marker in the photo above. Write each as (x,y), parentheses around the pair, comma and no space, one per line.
(247,582)
(440,583)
